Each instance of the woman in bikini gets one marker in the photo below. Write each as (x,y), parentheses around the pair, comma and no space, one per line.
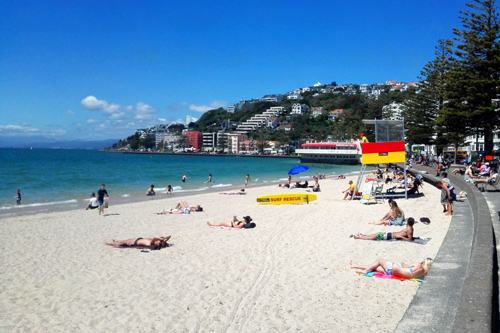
(152,243)
(395,216)
(416,270)
(234,223)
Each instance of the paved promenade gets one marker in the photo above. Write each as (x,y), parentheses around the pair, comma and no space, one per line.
(460,293)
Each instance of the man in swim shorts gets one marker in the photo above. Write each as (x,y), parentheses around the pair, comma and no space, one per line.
(405,234)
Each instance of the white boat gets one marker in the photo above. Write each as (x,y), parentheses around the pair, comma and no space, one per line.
(330,152)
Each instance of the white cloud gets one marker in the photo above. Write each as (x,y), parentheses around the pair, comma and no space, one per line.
(162,120)
(93,104)
(145,112)
(91,121)
(69,112)
(205,108)
(15,130)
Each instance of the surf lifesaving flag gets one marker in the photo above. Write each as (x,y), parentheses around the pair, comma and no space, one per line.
(383,152)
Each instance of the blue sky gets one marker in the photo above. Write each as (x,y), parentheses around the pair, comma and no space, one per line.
(95,70)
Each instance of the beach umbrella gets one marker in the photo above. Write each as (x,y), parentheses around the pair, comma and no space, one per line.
(297,169)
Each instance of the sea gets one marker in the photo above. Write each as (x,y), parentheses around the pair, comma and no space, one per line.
(63,179)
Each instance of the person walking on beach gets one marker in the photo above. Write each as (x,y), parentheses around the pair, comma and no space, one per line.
(247,179)
(100,197)
(18,197)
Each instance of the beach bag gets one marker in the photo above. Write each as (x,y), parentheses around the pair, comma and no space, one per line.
(249,225)
(106,204)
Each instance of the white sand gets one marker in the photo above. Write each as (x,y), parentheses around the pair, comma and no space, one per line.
(289,273)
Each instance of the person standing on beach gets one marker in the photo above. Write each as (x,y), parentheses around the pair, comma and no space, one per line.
(363,138)
(100,197)
(18,197)
(247,179)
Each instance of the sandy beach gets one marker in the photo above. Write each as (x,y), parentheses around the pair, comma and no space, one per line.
(289,273)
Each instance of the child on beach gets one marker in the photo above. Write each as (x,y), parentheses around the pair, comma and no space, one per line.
(93,203)
(169,189)
(247,179)
(18,197)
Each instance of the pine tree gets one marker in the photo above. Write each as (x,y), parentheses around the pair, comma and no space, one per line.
(425,120)
(478,68)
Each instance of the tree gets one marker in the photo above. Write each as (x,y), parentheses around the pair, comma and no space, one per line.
(427,101)
(478,67)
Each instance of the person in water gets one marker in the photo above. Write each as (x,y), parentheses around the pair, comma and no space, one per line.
(416,270)
(151,190)
(152,243)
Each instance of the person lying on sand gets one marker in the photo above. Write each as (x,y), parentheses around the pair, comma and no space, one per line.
(405,234)
(182,208)
(395,216)
(416,270)
(152,243)
(242,191)
(234,223)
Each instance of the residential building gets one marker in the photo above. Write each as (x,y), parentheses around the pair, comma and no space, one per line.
(394,111)
(260,120)
(299,109)
(272,98)
(332,115)
(195,140)
(209,141)
(294,96)
(315,112)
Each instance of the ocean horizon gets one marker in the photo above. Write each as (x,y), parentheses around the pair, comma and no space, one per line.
(63,179)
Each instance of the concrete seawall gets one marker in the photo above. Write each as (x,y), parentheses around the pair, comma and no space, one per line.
(460,292)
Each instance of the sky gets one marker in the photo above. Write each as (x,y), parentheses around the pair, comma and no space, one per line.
(95,70)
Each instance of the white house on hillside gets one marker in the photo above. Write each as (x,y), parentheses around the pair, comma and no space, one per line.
(299,109)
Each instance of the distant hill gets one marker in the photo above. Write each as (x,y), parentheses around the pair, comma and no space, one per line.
(44,143)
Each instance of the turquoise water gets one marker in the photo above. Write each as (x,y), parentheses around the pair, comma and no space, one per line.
(58,179)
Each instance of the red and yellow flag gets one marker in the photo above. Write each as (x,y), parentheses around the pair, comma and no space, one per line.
(383,152)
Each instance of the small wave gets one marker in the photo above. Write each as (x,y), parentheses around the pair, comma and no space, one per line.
(194,190)
(125,195)
(222,185)
(38,204)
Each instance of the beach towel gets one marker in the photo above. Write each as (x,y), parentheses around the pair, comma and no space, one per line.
(416,240)
(383,276)
(221,227)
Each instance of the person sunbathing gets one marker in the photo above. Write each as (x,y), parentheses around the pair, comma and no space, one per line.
(152,243)
(405,234)
(242,191)
(182,208)
(416,270)
(395,216)
(234,223)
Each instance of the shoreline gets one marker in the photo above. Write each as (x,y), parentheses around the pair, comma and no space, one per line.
(289,273)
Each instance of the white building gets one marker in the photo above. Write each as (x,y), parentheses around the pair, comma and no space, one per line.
(299,109)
